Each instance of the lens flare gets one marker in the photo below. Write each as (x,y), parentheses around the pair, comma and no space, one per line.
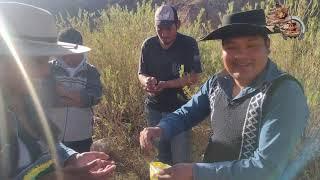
(3,133)
(43,120)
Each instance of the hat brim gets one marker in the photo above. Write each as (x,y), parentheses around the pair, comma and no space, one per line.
(164,23)
(240,29)
(35,48)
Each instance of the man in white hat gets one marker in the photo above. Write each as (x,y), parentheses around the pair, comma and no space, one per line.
(78,89)
(162,58)
(24,152)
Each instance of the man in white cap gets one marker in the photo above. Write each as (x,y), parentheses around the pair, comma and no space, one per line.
(24,147)
(162,58)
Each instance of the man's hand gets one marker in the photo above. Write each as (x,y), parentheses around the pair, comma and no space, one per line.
(68,97)
(91,165)
(150,84)
(60,89)
(189,79)
(181,171)
(147,136)
(161,85)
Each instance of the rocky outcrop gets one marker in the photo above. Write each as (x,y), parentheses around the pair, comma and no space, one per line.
(188,9)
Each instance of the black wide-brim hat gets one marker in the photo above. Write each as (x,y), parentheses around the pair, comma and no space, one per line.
(238,24)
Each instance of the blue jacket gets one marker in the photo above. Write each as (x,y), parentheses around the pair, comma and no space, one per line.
(286,115)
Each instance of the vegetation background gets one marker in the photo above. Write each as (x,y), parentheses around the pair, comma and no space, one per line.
(116,37)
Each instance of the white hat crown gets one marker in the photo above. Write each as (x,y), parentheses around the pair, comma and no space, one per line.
(28,22)
(33,31)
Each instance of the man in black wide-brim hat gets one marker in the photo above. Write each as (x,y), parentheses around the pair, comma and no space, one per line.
(257,112)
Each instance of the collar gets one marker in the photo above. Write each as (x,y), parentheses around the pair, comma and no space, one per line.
(60,63)
(172,45)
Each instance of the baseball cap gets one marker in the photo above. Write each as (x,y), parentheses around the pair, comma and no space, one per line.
(165,15)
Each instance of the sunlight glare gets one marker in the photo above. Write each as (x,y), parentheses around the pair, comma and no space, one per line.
(5,36)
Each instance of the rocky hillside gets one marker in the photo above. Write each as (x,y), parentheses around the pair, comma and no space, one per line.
(188,9)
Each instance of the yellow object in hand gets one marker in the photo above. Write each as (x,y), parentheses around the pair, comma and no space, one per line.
(155,168)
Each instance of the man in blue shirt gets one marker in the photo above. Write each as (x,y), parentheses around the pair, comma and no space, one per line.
(258,113)
(28,148)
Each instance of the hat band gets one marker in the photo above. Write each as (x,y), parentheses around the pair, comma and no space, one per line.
(39,39)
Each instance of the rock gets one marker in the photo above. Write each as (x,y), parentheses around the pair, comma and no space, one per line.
(188,10)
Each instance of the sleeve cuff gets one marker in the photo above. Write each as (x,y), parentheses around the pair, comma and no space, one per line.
(204,171)
(64,153)
(196,171)
(165,130)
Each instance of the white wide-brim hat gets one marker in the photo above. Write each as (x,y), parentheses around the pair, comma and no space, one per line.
(33,32)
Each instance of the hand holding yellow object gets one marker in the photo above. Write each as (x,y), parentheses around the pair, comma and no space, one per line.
(155,168)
